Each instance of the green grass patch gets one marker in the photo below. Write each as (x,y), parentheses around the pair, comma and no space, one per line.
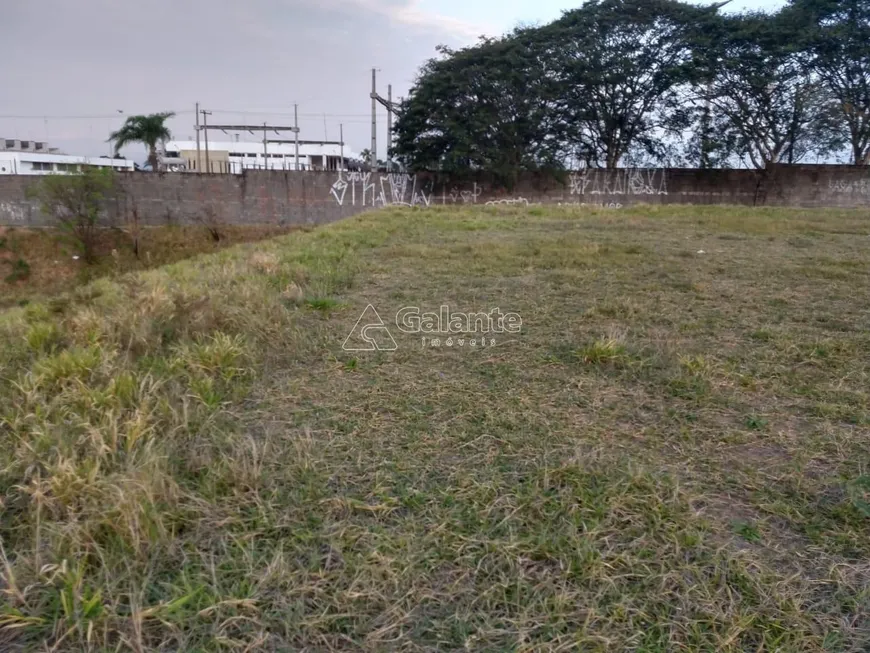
(670,455)
(324,304)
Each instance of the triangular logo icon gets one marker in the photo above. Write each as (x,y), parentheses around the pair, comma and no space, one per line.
(370,334)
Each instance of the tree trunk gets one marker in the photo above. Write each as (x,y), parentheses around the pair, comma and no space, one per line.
(153,160)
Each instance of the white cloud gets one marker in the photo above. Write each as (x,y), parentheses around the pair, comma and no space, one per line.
(409,13)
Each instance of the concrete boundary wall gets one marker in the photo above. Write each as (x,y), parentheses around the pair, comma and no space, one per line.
(299,198)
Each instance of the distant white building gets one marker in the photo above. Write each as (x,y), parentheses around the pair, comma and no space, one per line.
(234,156)
(37,158)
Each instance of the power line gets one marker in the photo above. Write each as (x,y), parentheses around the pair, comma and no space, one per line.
(79,117)
(182,113)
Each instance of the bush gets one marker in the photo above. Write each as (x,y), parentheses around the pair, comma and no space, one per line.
(75,202)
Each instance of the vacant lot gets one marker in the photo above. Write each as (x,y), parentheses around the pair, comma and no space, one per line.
(672,454)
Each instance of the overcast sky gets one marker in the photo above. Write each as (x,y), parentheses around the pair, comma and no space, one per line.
(72,66)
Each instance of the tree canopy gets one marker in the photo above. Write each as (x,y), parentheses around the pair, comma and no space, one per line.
(618,66)
(836,48)
(483,107)
(773,106)
(618,82)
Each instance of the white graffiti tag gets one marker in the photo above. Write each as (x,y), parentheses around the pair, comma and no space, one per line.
(339,190)
(11,212)
(627,181)
(456,196)
(359,189)
(402,190)
(859,186)
(511,201)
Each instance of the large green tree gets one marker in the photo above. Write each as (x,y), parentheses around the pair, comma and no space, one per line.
(597,85)
(151,130)
(618,66)
(646,82)
(481,107)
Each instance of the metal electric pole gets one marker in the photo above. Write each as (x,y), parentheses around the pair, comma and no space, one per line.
(373,155)
(198,157)
(296,129)
(392,109)
(205,129)
(265,148)
(341,138)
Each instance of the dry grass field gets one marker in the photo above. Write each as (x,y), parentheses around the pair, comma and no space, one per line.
(39,263)
(672,455)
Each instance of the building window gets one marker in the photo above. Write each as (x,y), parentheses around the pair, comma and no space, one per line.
(42,166)
(67,167)
(10,144)
(25,145)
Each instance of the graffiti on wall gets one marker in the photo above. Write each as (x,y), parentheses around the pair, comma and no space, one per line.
(456,196)
(509,201)
(360,189)
(627,181)
(858,186)
(11,212)
(603,205)
(397,189)
(596,205)
(366,189)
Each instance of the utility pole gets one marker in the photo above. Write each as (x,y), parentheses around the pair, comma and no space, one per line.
(373,156)
(389,127)
(265,149)
(198,157)
(112,150)
(296,128)
(205,129)
(341,138)
(391,109)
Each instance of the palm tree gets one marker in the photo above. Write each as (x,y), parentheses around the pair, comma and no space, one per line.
(150,130)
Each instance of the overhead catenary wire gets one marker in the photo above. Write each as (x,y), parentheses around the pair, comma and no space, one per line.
(43,116)
(268,112)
